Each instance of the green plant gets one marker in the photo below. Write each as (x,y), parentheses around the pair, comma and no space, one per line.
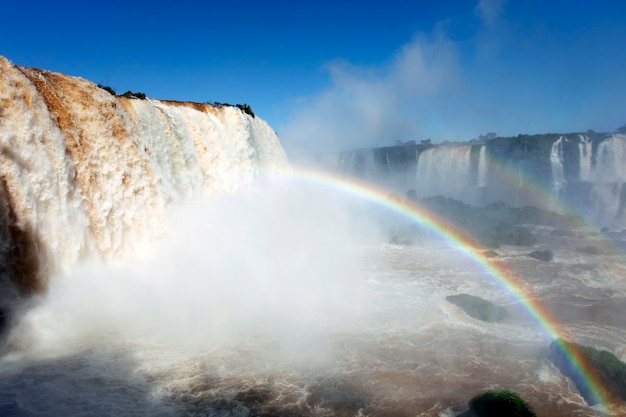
(245,108)
(500,404)
(107,88)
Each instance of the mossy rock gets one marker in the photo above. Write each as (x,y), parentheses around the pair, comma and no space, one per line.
(499,404)
(591,250)
(542,255)
(478,308)
(610,370)
(517,236)
(490,254)
(107,88)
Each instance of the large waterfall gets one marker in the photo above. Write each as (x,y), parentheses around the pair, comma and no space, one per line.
(85,172)
(446,170)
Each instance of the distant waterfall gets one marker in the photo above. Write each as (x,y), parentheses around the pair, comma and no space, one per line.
(556,163)
(84,172)
(445,170)
(482,167)
(585,149)
(610,166)
(608,180)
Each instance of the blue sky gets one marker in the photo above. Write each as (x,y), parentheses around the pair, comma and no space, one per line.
(339,75)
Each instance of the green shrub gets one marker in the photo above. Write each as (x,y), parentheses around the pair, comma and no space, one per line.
(107,88)
(245,108)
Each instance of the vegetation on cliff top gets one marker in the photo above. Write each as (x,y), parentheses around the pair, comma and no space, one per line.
(243,107)
(107,88)
(142,96)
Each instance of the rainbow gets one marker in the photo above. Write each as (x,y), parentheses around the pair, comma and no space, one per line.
(511,283)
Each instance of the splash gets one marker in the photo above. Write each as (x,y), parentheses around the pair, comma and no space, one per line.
(509,282)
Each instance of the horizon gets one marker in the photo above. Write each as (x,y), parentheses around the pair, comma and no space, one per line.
(332,76)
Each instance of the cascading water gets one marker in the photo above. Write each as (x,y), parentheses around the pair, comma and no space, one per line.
(483,172)
(87,172)
(556,163)
(585,150)
(610,167)
(445,170)
(606,176)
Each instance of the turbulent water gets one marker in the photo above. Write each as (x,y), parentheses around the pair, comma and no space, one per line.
(234,330)
(156,260)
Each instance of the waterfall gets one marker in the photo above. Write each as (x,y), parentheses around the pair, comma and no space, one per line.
(611,154)
(607,177)
(445,170)
(556,163)
(84,172)
(482,167)
(585,149)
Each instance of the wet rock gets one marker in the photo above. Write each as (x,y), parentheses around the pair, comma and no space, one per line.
(478,308)
(542,255)
(498,404)
(610,371)
(514,235)
(591,250)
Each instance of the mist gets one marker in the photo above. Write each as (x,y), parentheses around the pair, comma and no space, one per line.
(279,264)
(448,84)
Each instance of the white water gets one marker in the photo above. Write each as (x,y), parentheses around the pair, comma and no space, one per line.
(445,170)
(483,170)
(556,163)
(606,177)
(585,149)
(254,311)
